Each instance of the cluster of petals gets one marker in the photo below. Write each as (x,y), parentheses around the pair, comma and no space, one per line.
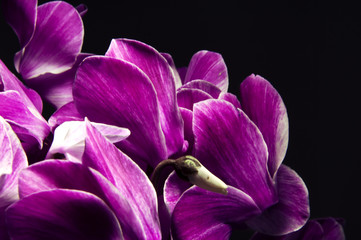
(117,117)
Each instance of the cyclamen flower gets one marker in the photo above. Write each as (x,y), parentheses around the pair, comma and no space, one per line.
(316,229)
(50,37)
(12,161)
(245,149)
(22,107)
(106,196)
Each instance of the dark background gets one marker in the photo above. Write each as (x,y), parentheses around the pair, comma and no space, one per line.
(309,51)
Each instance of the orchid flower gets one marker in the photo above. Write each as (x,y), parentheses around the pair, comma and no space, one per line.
(245,149)
(316,229)
(106,196)
(12,160)
(21,108)
(50,37)
(133,86)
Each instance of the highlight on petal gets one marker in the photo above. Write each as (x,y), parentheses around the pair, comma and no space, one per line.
(126,176)
(205,86)
(12,161)
(27,122)
(69,138)
(292,210)
(57,40)
(157,69)
(208,66)
(201,214)
(68,112)
(264,106)
(122,95)
(21,16)
(62,214)
(229,144)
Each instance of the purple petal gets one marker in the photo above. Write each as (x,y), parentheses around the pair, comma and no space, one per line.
(9,81)
(56,42)
(122,95)
(62,214)
(21,16)
(187,97)
(26,122)
(229,97)
(12,160)
(292,210)
(68,112)
(201,214)
(129,179)
(182,71)
(82,9)
(52,174)
(177,79)
(205,86)
(187,116)
(151,62)
(229,145)
(58,88)
(208,66)
(332,229)
(264,106)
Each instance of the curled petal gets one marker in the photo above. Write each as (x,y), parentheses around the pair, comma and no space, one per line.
(187,97)
(292,210)
(264,106)
(62,214)
(187,116)
(232,148)
(208,66)
(200,214)
(177,79)
(229,97)
(156,67)
(205,86)
(57,40)
(68,112)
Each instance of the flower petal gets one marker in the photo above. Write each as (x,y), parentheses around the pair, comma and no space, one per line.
(332,229)
(187,97)
(229,145)
(29,122)
(264,106)
(21,16)
(12,160)
(57,174)
(68,112)
(187,116)
(208,66)
(57,40)
(177,79)
(151,62)
(62,214)
(229,97)
(122,95)
(292,210)
(200,214)
(129,179)
(205,86)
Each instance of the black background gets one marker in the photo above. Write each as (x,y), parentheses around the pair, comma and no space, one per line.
(309,51)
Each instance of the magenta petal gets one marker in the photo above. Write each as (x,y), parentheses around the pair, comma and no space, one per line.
(57,40)
(264,106)
(229,144)
(187,116)
(62,214)
(177,79)
(187,97)
(12,160)
(128,178)
(208,66)
(155,66)
(229,97)
(68,112)
(332,229)
(292,210)
(200,214)
(205,86)
(21,16)
(26,122)
(122,95)
(58,174)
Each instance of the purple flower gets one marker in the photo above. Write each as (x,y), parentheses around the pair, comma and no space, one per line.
(21,108)
(12,160)
(107,196)
(316,229)
(245,149)
(50,37)
(132,86)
